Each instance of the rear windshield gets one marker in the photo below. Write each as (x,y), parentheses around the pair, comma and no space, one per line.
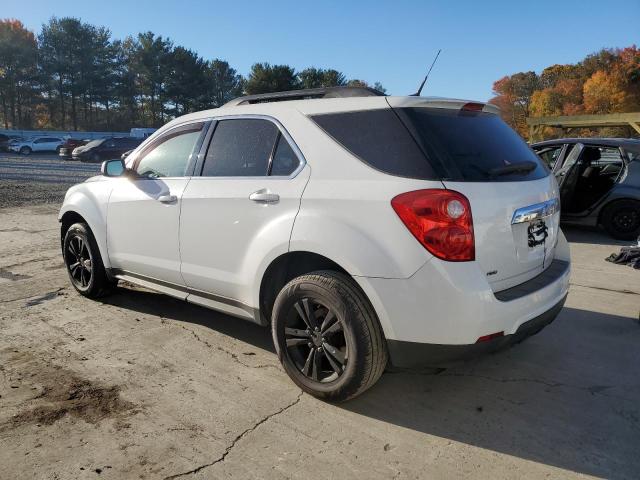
(434,143)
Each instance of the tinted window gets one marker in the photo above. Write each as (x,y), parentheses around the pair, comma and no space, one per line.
(379,139)
(169,155)
(240,148)
(285,161)
(471,146)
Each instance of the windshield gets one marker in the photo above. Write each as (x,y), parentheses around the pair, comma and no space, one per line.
(94,143)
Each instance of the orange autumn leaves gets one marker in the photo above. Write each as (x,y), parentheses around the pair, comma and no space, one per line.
(604,82)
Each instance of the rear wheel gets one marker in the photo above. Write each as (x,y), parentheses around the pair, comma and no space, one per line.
(327,336)
(25,151)
(84,264)
(622,219)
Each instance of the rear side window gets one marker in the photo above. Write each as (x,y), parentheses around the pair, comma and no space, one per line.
(379,139)
(285,161)
(240,148)
(471,146)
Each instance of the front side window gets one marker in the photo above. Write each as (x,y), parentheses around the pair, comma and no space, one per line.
(240,148)
(169,155)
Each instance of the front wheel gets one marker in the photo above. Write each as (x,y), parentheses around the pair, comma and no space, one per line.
(25,151)
(622,219)
(84,264)
(327,336)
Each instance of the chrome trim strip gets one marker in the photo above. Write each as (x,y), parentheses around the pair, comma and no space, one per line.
(535,212)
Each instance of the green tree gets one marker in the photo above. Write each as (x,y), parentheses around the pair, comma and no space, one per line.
(317,77)
(18,72)
(151,66)
(265,78)
(223,83)
(185,80)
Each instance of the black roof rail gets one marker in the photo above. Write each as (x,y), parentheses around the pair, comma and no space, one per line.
(304,94)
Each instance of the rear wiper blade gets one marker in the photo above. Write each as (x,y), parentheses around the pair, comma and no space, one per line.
(521,167)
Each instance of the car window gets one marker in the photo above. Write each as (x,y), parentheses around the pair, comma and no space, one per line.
(550,155)
(379,139)
(240,148)
(470,145)
(285,161)
(169,155)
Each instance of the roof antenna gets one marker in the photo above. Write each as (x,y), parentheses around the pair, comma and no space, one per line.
(417,94)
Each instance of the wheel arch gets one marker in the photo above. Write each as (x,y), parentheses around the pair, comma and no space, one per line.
(78,207)
(286,267)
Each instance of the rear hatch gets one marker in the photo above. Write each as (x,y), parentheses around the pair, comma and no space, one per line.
(513,198)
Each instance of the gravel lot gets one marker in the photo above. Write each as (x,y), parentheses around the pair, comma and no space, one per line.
(41,178)
(140,385)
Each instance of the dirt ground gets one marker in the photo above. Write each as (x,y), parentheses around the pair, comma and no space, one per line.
(143,386)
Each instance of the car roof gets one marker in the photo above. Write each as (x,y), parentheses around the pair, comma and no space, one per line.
(315,106)
(632,144)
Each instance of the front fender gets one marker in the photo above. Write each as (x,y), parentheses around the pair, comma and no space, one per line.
(90,201)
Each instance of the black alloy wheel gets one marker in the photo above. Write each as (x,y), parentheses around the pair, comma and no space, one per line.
(327,335)
(79,262)
(84,264)
(315,340)
(621,219)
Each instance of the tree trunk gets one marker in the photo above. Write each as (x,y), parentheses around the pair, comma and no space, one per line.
(5,114)
(61,93)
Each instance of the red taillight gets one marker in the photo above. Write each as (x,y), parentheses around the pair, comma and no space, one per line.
(440,220)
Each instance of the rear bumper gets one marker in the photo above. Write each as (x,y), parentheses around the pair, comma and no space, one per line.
(451,304)
(412,354)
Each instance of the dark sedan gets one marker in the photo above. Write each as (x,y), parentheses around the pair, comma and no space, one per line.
(105,149)
(599,181)
(67,148)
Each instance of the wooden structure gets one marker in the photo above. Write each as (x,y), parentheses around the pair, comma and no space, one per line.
(568,122)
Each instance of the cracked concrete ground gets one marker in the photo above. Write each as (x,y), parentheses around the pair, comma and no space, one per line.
(144,386)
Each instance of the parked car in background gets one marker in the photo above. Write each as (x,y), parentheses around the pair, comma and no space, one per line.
(6,139)
(105,148)
(36,144)
(599,182)
(70,144)
(362,228)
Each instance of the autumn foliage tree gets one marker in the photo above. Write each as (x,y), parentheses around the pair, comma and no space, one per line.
(604,82)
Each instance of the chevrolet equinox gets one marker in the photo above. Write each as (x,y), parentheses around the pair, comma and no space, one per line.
(364,229)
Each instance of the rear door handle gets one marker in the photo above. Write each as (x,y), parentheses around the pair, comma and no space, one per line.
(167,198)
(264,196)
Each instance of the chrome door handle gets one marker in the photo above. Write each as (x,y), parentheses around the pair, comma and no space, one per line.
(167,198)
(264,196)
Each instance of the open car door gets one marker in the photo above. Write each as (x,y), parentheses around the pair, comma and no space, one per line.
(567,174)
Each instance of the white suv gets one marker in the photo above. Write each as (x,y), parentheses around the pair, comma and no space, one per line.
(36,144)
(364,229)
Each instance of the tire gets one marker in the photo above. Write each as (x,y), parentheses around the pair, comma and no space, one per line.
(357,354)
(622,219)
(84,263)
(25,150)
